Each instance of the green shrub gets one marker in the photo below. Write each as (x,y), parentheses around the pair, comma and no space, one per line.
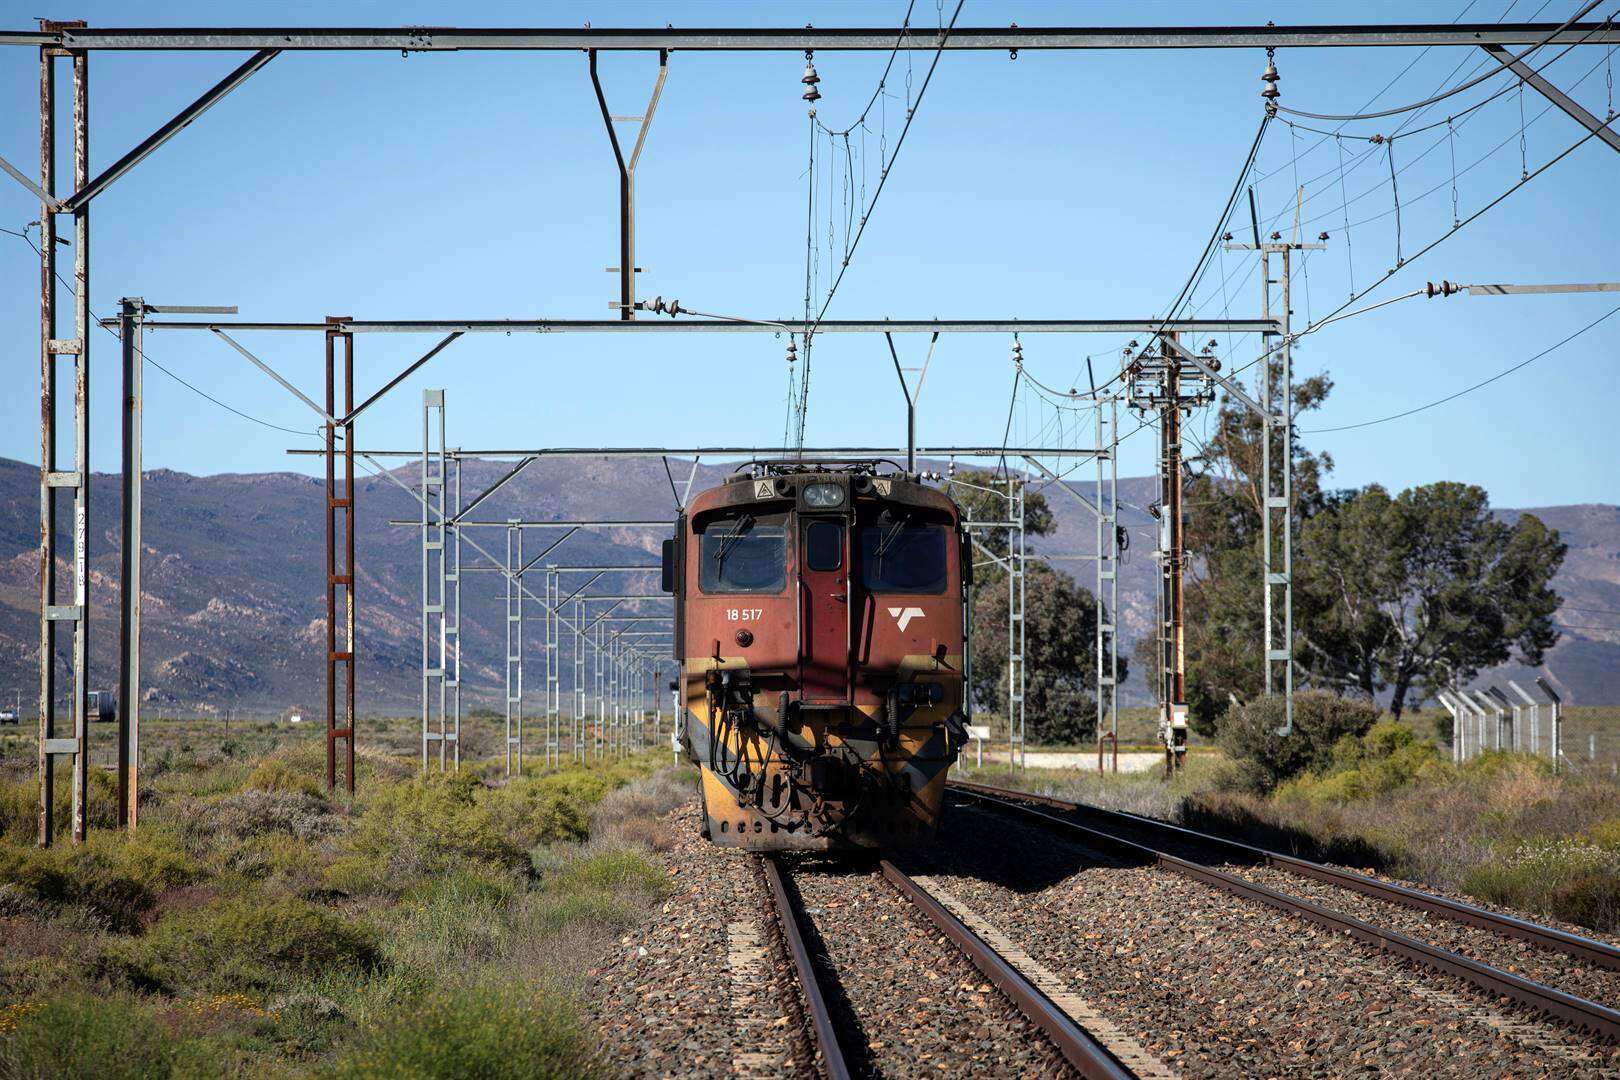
(427,825)
(454,920)
(490,1031)
(1249,734)
(1387,758)
(1557,876)
(614,870)
(279,774)
(19,810)
(80,1034)
(113,876)
(1605,834)
(248,944)
(554,807)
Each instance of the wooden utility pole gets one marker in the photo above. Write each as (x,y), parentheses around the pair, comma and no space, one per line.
(1173,642)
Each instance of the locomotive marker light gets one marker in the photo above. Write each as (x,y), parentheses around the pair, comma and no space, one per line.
(823,496)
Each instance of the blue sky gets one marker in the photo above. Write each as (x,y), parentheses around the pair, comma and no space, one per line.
(1054,185)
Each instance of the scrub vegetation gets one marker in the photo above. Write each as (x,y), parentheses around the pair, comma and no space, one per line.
(1358,788)
(432,926)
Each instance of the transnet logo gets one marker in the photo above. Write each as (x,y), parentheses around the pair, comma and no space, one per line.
(903,616)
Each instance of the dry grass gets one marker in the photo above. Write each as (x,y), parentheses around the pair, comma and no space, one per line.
(256,926)
(1504,828)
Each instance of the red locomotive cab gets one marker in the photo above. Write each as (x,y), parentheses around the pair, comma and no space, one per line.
(819,626)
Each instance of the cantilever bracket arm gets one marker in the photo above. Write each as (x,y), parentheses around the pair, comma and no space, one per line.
(22,178)
(1060,482)
(1526,73)
(1225,384)
(401,377)
(549,549)
(169,130)
(270,371)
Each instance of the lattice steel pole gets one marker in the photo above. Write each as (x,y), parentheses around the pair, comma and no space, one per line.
(599,676)
(433,482)
(553,669)
(514,648)
(579,680)
(340,562)
(1015,621)
(453,629)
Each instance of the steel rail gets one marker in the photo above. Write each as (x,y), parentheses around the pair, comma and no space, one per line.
(1600,953)
(1078,1047)
(777,39)
(1590,1016)
(821,1025)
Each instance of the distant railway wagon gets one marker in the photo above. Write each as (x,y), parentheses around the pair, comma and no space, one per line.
(819,631)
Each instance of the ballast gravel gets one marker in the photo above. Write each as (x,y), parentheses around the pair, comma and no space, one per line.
(694,991)
(1212,985)
(1516,955)
(1218,986)
(910,998)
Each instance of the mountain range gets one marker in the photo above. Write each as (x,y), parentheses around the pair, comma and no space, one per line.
(233,565)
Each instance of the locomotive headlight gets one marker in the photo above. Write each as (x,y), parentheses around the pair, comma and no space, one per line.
(823,496)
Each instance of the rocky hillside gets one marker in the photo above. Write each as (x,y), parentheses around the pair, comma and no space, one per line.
(233,564)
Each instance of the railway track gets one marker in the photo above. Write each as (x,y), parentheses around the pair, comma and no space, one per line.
(1088,1056)
(1102,829)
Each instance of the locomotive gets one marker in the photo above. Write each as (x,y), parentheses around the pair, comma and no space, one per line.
(819,631)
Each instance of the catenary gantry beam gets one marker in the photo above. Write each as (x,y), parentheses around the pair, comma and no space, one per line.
(770,39)
(764,453)
(796,326)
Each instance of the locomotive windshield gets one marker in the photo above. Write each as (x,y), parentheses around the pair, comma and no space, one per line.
(903,558)
(739,556)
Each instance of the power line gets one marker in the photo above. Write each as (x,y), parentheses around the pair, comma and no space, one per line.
(200,393)
(1471,389)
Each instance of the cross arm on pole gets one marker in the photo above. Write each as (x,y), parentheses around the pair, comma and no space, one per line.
(1201,364)
(1525,72)
(179,123)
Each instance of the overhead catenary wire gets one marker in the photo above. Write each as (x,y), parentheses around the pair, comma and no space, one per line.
(1444,94)
(866,215)
(148,359)
(1442,238)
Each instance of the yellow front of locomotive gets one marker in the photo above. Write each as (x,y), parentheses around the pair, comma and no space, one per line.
(820,634)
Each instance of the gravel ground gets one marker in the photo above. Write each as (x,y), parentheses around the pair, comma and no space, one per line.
(919,1006)
(697,990)
(1567,973)
(1217,986)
